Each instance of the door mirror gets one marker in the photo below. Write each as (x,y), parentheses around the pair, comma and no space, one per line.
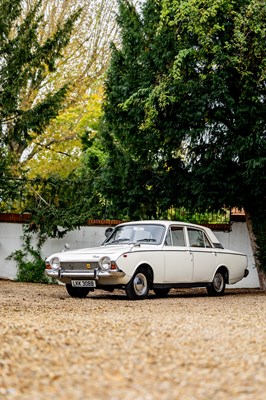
(66,247)
(108,232)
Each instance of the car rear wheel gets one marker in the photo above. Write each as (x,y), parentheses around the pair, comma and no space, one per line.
(139,286)
(217,286)
(161,292)
(79,292)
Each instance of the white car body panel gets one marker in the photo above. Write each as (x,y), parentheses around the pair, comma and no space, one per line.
(178,264)
(189,264)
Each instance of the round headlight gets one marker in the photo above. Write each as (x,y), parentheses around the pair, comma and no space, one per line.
(55,263)
(105,263)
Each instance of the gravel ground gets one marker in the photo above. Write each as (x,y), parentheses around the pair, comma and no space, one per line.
(184,347)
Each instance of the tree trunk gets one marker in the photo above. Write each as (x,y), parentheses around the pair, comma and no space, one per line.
(254,247)
(262,279)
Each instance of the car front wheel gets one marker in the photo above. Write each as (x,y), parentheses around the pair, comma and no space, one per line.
(217,286)
(139,286)
(79,292)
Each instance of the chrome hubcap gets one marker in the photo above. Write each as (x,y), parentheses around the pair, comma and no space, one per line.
(218,282)
(140,284)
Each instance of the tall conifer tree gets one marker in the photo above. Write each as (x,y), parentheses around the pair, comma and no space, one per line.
(27,99)
(142,164)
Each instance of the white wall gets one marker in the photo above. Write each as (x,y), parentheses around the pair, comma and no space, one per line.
(238,239)
(10,240)
(91,236)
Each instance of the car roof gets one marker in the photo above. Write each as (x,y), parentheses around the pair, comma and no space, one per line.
(162,222)
(168,223)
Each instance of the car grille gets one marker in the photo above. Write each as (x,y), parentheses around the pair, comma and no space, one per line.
(79,266)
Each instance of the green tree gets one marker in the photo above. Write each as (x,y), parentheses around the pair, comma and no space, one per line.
(8,191)
(61,142)
(28,101)
(58,204)
(186,96)
(143,163)
(83,63)
(219,88)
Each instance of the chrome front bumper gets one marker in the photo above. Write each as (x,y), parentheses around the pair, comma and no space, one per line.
(95,274)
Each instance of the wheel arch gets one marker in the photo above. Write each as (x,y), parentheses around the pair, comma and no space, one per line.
(141,282)
(148,268)
(224,270)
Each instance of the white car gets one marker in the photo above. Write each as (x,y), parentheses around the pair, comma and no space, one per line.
(150,255)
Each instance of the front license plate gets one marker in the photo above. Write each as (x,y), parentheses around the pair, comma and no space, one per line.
(87,283)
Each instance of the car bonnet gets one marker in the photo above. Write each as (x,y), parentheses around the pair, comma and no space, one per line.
(94,253)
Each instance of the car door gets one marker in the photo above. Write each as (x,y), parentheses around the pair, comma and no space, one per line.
(204,255)
(178,261)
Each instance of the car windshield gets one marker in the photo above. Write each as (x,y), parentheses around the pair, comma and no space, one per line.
(144,233)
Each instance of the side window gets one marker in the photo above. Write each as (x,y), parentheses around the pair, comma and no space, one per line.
(175,237)
(178,236)
(198,238)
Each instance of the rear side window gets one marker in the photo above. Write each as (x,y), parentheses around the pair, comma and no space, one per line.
(175,237)
(197,238)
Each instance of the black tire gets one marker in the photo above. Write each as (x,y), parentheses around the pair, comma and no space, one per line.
(79,292)
(161,292)
(217,286)
(139,285)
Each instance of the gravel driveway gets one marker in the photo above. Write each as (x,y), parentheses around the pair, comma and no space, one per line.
(187,346)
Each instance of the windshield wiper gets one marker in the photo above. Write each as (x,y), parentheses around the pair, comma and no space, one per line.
(146,240)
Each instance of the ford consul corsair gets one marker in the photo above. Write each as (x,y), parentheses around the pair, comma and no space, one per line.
(150,255)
